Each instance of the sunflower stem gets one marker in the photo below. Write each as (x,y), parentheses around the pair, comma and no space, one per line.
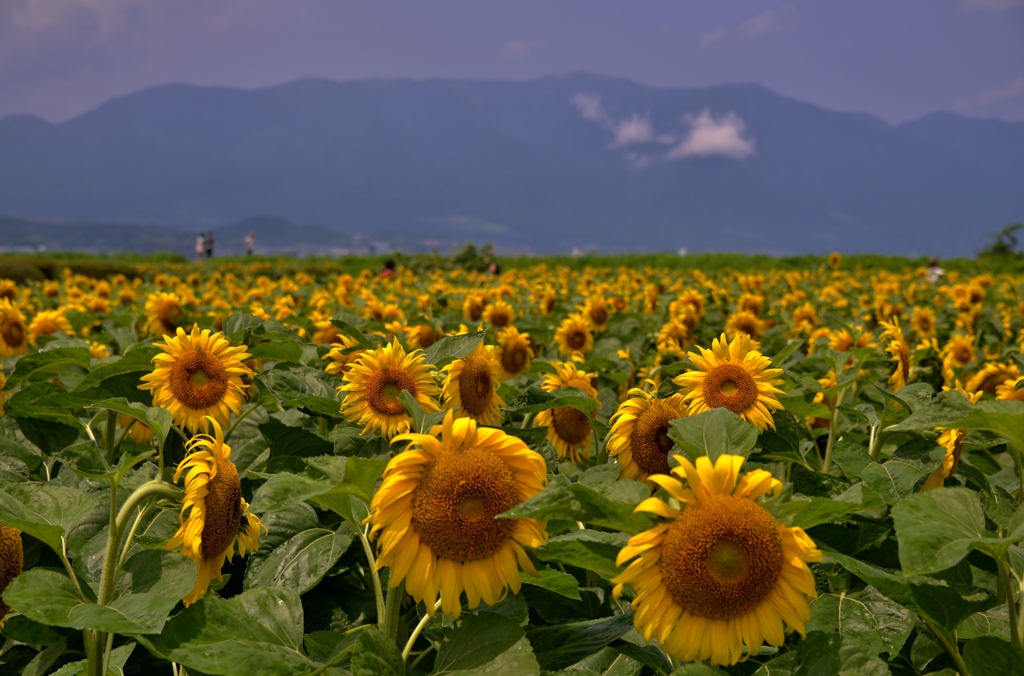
(239,419)
(1006,584)
(417,631)
(372,562)
(826,465)
(392,611)
(111,431)
(950,647)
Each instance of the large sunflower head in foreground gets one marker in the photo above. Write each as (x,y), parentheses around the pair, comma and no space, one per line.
(574,335)
(376,380)
(163,313)
(198,375)
(568,428)
(732,376)
(13,334)
(437,511)
(472,385)
(516,352)
(722,576)
(213,514)
(639,435)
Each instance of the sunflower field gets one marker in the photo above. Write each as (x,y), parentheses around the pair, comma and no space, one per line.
(245,469)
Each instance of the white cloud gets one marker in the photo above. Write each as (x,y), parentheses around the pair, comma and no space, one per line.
(634,129)
(1010,91)
(106,16)
(711,38)
(517,49)
(590,107)
(758,25)
(709,136)
(992,5)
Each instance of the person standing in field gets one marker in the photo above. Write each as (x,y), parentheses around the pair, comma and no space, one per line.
(935,273)
(200,247)
(209,244)
(250,243)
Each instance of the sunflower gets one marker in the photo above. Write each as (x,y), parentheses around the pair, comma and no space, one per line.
(98,350)
(595,311)
(1005,392)
(472,384)
(213,514)
(12,558)
(422,335)
(48,322)
(499,314)
(732,376)
(953,442)
(8,289)
(574,335)
(959,351)
(546,303)
(991,376)
(473,307)
(568,428)
(326,333)
(338,362)
(835,259)
(743,323)
(141,434)
(436,512)
(899,353)
(516,352)
(752,303)
(639,435)
(12,330)
(198,375)
(723,576)
(375,381)
(673,338)
(922,319)
(163,313)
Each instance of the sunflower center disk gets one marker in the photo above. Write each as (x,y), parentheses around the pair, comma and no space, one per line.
(577,340)
(514,359)
(169,317)
(722,557)
(455,505)
(571,425)
(198,379)
(730,386)
(384,387)
(599,316)
(13,333)
(650,443)
(475,385)
(223,511)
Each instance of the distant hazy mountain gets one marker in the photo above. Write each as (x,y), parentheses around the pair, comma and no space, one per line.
(552,163)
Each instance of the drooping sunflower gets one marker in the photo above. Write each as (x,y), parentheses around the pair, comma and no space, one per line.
(436,513)
(991,376)
(376,380)
(639,438)
(213,514)
(12,559)
(516,353)
(13,334)
(568,428)
(164,312)
(472,385)
(338,362)
(953,442)
(732,376)
(574,335)
(899,354)
(723,576)
(198,375)
(499,314)
(47,322)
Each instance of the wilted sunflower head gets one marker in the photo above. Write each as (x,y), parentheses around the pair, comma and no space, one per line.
(735,377)
(444,536)
(722,566)
(516,352)
(574,335)
(471,386)
(164,312)
(213,515)
(198,375)
(13,334)
(375,381)
(499,314)
(639,438)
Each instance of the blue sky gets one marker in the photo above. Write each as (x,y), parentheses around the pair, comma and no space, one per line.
(898,60)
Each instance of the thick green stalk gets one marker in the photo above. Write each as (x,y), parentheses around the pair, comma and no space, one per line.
(372,562)
(1006,585)
(826,465)
(111,433)
(392,611)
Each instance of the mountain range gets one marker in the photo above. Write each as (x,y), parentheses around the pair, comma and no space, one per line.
(548,164)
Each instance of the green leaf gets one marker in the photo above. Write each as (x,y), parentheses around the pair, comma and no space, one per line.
(852,458)
(45,365)
(300,562)
(895,480)
(937,529)
(952,410)
(807,512)
(868,617)
(944,605)
(587,549)
(22,629)
(118,658)
(890,583)
(535,399)
(293,441)
(648,655)
(477,641)
(156,418)
(327,481)
(606,504)
(138,360)
(86,460)
(374,654)
(830,654)
(562,645)
(256,632)
(9,448)
(554,580)
(46,512)
(451,348)
(713,433)
(992,657)
(238,322)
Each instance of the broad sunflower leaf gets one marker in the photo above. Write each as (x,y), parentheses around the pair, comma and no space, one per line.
(156,418)
(294,382)
(632,646)
(596,503)
(450,348)
(831,654)
(326,480)
(10,448)
(993,657)
(43,412)
(86,460)
(45,365)
(45,511)
(587,549)
(951,410)
(536,399)
(138,360)
(562,645)
(993,622)
(256,632)
(118,658)
(713,433)
(877,623)
(807,512)
(301,561)
(477,641)
(374,654)
(895,479)
(285,440)
(555,581)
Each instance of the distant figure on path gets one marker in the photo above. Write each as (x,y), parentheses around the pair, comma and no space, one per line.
(209,244)
(389,269)
(935,273)
(200,247)
(250,243)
